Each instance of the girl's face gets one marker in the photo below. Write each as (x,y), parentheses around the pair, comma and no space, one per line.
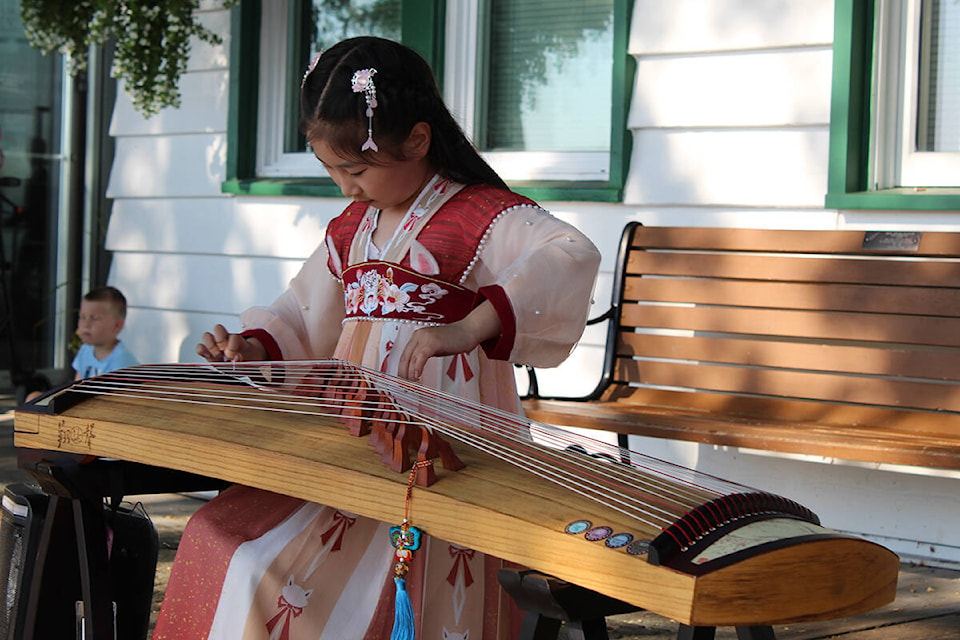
(391,186)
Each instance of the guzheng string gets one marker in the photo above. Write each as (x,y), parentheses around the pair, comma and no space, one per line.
(652,491)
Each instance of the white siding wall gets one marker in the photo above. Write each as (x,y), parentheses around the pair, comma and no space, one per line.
(730,112)
(186,255)
(730,121)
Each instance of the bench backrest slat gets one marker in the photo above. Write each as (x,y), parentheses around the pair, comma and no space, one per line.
(935,301)
(813,325)
(787,268)
(794,414)
(931,243)
(787,383)
(856,360)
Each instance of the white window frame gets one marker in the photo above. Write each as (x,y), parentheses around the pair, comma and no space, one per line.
(271,159)
(896,160)
(460,93)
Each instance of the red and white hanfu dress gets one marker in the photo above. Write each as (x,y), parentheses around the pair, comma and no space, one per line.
(257,565)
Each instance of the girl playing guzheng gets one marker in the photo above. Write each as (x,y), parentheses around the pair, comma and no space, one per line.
(436,272)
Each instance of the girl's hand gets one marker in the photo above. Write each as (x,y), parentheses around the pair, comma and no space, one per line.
(222,346)
(459,337)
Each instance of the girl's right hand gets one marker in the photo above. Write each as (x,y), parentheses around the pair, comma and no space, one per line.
(461,336)
(223,346)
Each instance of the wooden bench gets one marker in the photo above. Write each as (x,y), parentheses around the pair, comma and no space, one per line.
(844,344)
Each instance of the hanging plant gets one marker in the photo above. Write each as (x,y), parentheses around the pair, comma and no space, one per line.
(152,40)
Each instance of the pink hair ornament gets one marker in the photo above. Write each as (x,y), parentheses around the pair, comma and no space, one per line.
(314,59)
(362,82)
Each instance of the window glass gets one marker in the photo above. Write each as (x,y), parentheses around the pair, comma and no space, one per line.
(336,20)
(322,24)
(541,86)
(895,123)
(938,114)
(550,76)
(33,157)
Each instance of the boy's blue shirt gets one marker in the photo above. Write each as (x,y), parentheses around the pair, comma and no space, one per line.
(87,364)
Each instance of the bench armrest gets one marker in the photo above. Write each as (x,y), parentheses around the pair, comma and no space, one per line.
(533,385)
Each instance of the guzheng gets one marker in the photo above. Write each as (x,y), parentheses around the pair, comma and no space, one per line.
(692,547)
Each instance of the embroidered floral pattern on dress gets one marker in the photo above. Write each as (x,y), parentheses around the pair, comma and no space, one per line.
(374,293)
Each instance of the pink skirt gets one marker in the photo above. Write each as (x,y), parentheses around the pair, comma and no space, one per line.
(258,565)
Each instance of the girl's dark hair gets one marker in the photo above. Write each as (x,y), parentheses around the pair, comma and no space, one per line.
(406,94)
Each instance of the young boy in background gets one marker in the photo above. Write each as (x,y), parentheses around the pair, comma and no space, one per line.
(103,312)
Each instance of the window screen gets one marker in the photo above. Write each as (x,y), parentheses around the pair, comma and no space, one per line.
(549,76)
(938,121)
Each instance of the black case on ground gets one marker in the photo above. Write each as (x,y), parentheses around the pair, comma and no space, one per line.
(40,573)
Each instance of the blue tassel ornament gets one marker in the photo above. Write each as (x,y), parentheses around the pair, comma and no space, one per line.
(405,539)
(403,627)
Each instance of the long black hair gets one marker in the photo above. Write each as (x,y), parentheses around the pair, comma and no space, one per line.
(406,94)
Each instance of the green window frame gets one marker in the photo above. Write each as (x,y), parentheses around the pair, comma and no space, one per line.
(852,120)
(422,25)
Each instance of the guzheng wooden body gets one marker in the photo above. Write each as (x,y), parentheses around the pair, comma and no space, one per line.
(697,549)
